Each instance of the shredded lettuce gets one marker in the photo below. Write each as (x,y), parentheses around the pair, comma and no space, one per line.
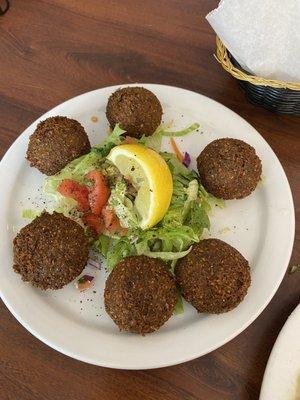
(210,198)
(31,214)
(123,206)
(154,141)
(182,132)
(192,195)
(102,245)
(114,249)
(118,250)
(179,309)
(112,140)
(181,227)
(167,255)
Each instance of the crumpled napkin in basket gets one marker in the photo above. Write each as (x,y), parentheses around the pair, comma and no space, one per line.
(262,35)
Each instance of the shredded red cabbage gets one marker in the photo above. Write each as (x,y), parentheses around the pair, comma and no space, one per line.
(186,160)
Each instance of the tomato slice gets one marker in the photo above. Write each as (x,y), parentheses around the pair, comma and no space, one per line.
(112,223)
(94,222)
(99,194)
(76,191)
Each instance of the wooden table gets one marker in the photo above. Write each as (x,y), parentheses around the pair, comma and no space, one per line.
(51,50)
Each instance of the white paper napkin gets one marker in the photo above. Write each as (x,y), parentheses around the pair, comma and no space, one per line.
(262,35)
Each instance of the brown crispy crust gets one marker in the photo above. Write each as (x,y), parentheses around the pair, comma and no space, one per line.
(55,142)
(136,109)
(214,277)
(140,294)
(51,251)
(229,168)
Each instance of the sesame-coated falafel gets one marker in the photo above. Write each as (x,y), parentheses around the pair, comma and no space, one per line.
(229,168)
(140,294)
(136,109)
(56,142)
(51,251)
(214,277)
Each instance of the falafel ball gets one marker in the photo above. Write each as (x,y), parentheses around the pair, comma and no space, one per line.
(51,251)
(140,294)
(229,168)
(136,109)
(55,142)
(214,277)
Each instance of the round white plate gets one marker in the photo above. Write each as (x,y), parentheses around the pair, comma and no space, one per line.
(261,227)
(282,375)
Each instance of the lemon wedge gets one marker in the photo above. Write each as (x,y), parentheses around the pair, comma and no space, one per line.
(150,175)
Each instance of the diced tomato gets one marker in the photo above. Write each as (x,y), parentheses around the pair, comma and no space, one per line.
(116,227)
(130,140)
(112,223)
(99,194)
(108,216)
(84,282)
(94,222)
(76,191)
(83,286)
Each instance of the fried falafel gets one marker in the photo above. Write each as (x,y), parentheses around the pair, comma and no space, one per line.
(229,168)
(51,251)
(214,277)
(55,142)
(140,294)
(136,109)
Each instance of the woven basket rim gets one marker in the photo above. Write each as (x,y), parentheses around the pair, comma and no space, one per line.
(223,58)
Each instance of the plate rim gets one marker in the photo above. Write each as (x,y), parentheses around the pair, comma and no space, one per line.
(271,361)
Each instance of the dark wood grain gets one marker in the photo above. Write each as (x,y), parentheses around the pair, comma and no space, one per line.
(51,50)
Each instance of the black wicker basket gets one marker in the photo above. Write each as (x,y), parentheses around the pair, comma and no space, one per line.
(276,96)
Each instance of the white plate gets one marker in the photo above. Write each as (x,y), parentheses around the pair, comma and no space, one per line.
(261,227)
(282,375)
